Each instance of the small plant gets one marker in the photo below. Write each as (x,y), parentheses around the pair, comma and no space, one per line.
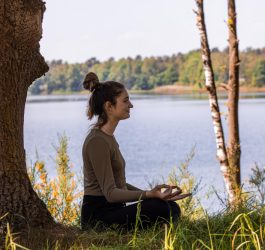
(59,194)
(133,241)
(170,236)
(39,179)
(247,232)
(257,181)
(182,177)
(10,243)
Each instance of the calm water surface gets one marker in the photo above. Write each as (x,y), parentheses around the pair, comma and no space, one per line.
(159,135)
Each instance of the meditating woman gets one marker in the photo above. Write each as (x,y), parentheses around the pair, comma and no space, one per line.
(105,189)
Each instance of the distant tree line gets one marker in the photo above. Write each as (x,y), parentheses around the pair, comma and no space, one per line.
(146,73)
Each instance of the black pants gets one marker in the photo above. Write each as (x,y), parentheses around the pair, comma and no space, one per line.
(96,210)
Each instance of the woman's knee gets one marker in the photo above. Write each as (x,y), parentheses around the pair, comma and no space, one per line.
(174,210)
(157,207)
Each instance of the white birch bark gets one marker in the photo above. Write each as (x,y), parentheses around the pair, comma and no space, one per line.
(213,101)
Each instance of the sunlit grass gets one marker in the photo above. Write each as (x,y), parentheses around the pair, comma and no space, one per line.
(227,231)
(222,231)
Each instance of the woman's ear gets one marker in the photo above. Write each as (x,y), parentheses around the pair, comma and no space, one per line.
(108,106)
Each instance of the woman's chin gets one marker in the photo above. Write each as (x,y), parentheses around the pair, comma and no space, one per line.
(126,116)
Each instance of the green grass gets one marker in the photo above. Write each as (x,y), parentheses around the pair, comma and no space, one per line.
(237,230)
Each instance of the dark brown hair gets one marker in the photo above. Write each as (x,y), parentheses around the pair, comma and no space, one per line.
(101,92)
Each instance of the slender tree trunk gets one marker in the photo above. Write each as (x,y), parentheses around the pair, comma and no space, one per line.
(20,64)
(213,100)
(233,148)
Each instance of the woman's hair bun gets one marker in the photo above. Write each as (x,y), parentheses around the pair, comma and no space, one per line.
(91,81)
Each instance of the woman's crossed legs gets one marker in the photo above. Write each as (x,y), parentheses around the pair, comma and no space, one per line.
(151,211)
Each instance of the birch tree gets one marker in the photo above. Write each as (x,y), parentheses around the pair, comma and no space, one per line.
(233,148)
(227,158)
(20,64)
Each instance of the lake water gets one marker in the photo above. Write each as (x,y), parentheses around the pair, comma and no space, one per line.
(159,135)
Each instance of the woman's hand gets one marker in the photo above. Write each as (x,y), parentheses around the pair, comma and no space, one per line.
(168,194)
(157,193)
(179,197)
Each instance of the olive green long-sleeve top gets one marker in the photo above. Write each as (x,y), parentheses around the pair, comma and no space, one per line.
(104,169)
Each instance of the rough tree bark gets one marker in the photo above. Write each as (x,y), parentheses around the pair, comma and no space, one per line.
(233,147)
(213,100)
(20,64)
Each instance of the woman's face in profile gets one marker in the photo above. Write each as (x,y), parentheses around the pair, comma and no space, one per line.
(123,105)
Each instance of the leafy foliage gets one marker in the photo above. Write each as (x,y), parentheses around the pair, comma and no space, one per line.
(146,73)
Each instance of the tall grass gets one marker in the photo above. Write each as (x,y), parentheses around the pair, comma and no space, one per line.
(60,194)
(181,176)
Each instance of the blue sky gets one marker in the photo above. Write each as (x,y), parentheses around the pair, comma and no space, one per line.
(75,30)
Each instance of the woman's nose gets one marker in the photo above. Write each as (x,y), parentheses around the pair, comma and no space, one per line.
(131,105)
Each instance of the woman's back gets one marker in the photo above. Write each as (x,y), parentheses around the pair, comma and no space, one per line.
(104,166)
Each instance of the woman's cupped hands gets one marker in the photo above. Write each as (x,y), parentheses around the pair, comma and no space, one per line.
(167,192)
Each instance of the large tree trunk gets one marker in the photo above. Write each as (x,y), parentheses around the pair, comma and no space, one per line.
(233,148)
(20,64)
(213,100)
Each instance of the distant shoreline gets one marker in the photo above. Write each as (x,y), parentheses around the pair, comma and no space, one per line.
(166,90)
(188,92)
(162,90)
(180,89)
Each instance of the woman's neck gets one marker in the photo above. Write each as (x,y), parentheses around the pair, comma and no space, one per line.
(109,127)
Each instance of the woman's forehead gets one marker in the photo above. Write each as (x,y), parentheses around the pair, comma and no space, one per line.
(124,94)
